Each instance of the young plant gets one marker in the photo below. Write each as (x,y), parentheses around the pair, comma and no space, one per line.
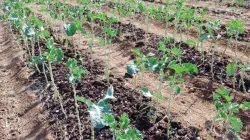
(139,65)
(53,55)
(211,27)
(234,28)
(124,131)
(226,110)
(231,71)
(70,30)
(98,110)
(75,75)
(110,33)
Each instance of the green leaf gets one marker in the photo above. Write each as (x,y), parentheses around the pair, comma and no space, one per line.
(190,42)
(137,52)
(70,28)
(152,64)
(36,60)
(191,68)
(132,69)
(78,24)
(28,31)
(96,116)
(159,96)
(110,120)
(177,68)
(44,34)
(231,69)
(84,100)
(71,63)
(109,95)
(75,71)
(204,37)
(236,123)
(101,42)
(176,52)
(50,43)
(177,90)
(124,121)
(224,93)
(245,105)
(54,55)
(134,134)
(146,92)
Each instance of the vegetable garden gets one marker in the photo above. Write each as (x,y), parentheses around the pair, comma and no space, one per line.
(133,70)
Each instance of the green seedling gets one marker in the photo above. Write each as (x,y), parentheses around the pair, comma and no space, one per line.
(212,26)
(110,33)
(139,65)
(124,131)
(53,55)
(234,28)
(226,110)
(75,75)
(231,71)
(98,110)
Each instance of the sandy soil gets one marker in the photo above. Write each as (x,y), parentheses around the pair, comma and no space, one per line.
(21,114)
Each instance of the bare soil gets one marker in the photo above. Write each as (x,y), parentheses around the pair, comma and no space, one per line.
(21,111)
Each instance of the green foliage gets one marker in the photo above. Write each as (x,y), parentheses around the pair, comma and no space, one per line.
(28,31)
(185,67)
(37,60)
(204,37)
(235,27)
(132,69)
(76,72)
(53,54)
(231,69)
(190,42)
(124,131)
(98,110)
(146,92)
(228,109)
(70,28)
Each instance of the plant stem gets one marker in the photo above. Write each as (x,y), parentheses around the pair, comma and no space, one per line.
(92,132)
(169,107)
(56,95)
(159,85)
(212,126)
(77,111)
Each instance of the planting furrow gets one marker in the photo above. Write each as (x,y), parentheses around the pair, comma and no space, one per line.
(20,107)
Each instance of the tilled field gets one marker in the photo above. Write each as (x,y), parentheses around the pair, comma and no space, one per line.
(182,103)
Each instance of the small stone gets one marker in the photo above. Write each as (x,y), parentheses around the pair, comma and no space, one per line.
(181,132)
(71,116)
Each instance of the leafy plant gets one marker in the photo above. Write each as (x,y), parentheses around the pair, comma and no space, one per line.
(234,28)
(52,55)
(75,75)
(124,131)
(98,110)
(226,110)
